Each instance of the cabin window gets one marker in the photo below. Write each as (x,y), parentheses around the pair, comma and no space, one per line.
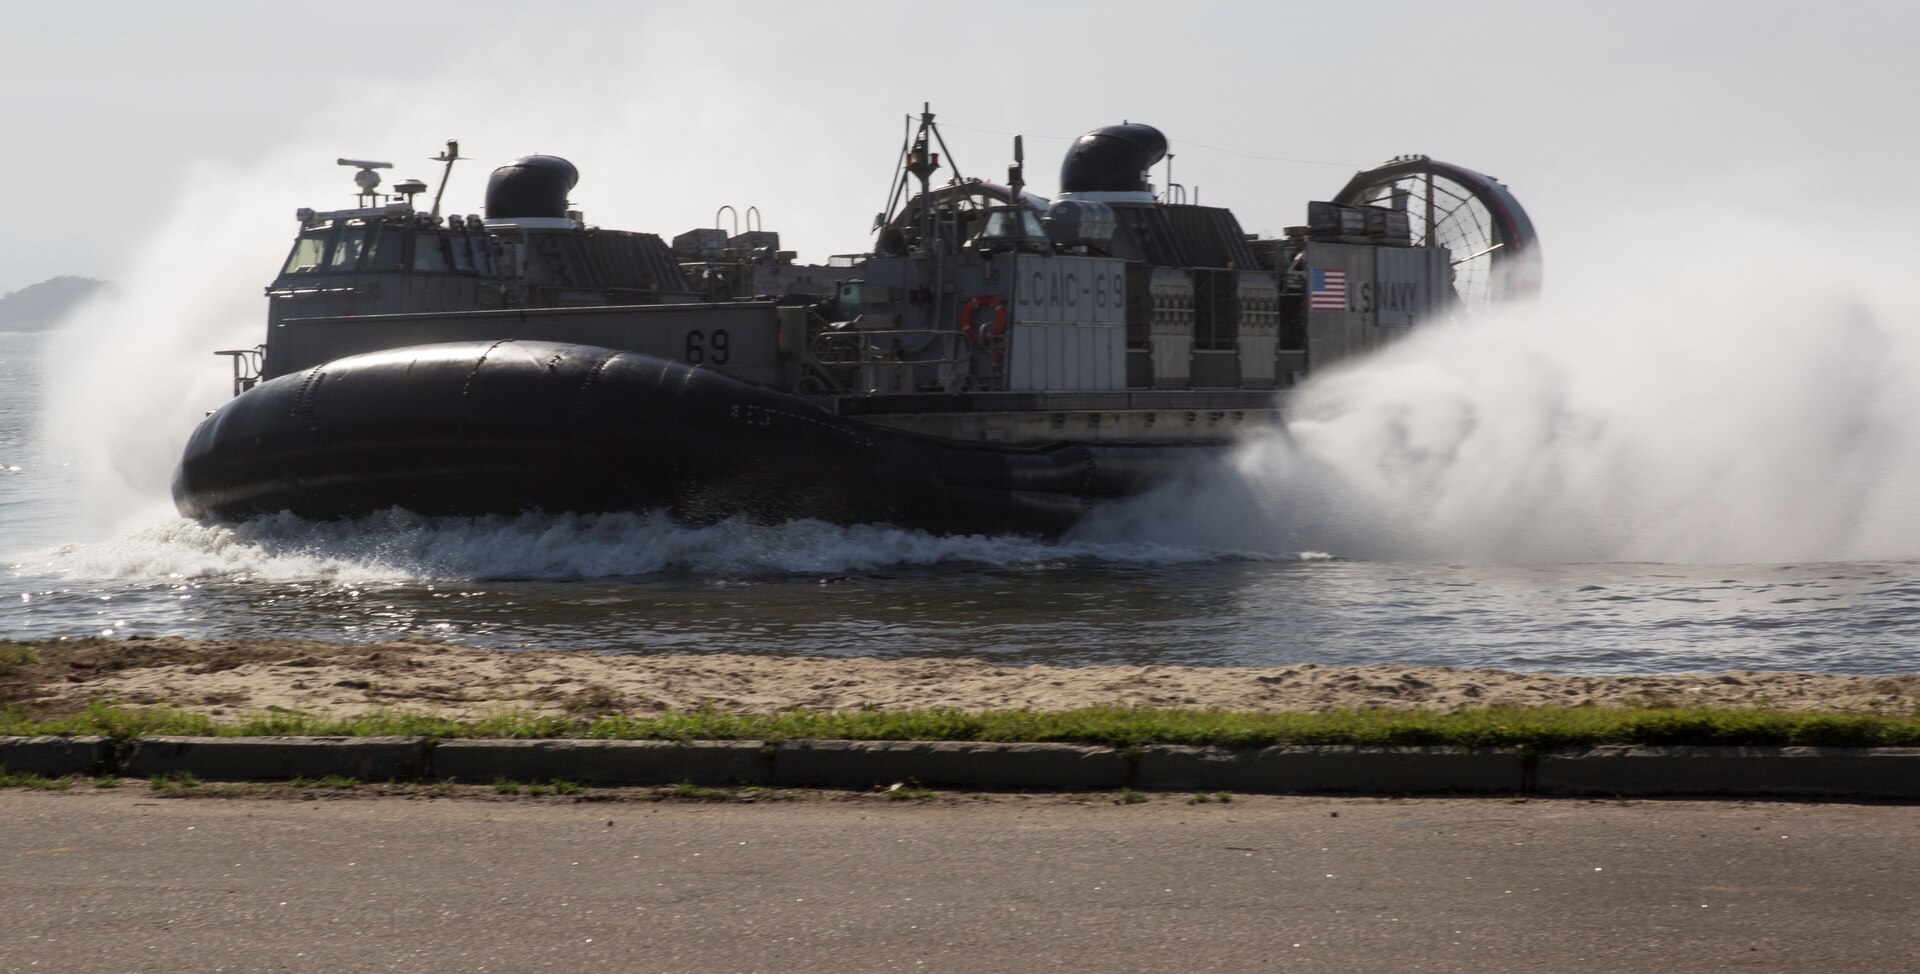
(462,260)
(482,254)
(383,250)
(429,252)
(308,254)
(346,251)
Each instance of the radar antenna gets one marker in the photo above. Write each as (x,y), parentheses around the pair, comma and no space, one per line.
(366,178)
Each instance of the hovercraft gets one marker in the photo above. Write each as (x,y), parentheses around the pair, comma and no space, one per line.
(999,363)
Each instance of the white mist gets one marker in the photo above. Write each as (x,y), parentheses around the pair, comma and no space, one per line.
(1727,405)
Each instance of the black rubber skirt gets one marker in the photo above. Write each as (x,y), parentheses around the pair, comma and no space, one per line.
(473,428)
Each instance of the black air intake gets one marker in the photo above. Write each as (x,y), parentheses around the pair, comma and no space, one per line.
(531,186)
(1114,159)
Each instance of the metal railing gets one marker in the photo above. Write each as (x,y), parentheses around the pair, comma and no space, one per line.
(863,360)
(246,366)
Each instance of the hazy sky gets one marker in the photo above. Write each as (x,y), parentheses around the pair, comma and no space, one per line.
(128,122)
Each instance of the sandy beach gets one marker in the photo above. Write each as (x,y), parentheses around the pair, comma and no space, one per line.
(230,678)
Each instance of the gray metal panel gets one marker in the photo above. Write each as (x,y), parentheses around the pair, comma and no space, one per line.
(1258,356)
(1259,328)
(1216,369)
(1406,284)
(1139,368)
(1292,368)
(1068,320)
(693,333)
(1091,290)
(1336,335)
(1066,357)
(1170,332)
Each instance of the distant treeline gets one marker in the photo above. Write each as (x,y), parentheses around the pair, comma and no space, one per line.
(42,305)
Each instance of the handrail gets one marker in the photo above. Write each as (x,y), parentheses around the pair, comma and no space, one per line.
(246,366)
(861,349)
(863,339)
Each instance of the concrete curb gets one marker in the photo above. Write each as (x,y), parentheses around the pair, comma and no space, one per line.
(55,757)
(279,758)
(1872,772)
(604,762)
(1400,770)
(1592,771)
(951,764)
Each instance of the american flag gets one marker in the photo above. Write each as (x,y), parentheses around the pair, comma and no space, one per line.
(1329,290)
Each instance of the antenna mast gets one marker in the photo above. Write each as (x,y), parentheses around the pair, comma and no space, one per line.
(921,164)
(1016,173)
(448,157)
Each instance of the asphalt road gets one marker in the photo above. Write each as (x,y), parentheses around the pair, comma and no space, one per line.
(124,881)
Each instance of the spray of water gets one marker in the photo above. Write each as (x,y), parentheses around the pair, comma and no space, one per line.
(129,377)
(1760,416)
(397,547)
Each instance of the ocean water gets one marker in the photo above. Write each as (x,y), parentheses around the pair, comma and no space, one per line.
(1411,514)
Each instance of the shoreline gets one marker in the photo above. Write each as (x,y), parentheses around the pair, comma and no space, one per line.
(229,678)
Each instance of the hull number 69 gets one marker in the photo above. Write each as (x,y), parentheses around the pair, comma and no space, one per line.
(708,347)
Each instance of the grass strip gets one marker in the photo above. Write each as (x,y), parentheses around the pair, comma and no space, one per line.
(12,779)
(1534,727)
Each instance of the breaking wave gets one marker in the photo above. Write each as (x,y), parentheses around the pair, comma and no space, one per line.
(397,546)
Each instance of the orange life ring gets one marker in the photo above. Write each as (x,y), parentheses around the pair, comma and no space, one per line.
(975,303)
